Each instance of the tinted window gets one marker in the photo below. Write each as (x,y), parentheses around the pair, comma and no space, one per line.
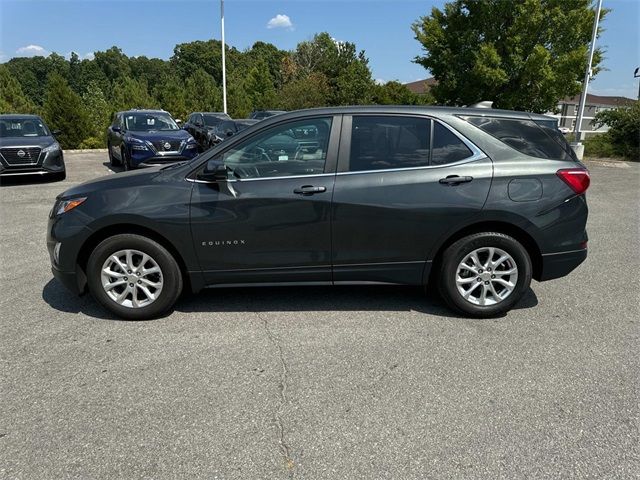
(447,147)
(295,148)
(525,136)
(379,143)
(148,122)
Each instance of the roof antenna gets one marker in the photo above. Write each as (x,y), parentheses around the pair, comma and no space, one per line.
(483,104)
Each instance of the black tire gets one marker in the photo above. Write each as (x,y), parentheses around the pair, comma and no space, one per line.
(171,276)
(112,160)
(126,166)
(455,254)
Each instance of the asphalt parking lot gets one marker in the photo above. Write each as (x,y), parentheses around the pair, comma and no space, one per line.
(353,382)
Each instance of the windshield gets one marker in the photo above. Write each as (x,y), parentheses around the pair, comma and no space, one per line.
(214,120)
(149,122)
(22,127)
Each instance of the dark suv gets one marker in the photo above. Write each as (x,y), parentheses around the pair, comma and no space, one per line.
(201,125)
(474,202)
(143,138)
(28,147)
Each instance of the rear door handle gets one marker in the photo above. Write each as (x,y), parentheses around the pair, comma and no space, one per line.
(454,180)
(309,190)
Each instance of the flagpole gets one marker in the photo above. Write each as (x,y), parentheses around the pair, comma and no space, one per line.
(587,75)
(224,67)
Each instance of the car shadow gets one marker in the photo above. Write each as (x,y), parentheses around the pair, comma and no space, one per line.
(113,168)
(28,180)
(282,299)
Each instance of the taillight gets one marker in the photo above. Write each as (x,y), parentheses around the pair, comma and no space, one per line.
(577,178)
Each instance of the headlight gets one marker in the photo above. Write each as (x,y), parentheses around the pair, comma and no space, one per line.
(64,206)
(55,146)
(191,143)
(136,143)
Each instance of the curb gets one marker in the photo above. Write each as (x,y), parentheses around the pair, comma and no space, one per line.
(87,150)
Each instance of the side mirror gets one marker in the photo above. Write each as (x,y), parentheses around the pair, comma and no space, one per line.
(116,129)
(229,133)
(178,121)
(56,132)
(214,171)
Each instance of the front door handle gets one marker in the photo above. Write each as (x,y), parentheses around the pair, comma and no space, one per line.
(309,190)
(454,180)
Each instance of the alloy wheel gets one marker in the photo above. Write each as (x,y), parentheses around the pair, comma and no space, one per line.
(486,276)
(132,278)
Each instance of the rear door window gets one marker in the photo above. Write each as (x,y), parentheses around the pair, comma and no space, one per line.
(389,142)
(526,136)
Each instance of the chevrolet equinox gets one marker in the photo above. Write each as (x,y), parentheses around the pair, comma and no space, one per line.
(473,202)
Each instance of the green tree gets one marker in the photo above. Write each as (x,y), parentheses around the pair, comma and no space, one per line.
(12,98)
(395,93)
(63,110)
(202,93)
(98,113)
(305,92)
(624,130)
(523,55)
(259,87)
(113,63)
(131,93)
(346,70)
(171,95)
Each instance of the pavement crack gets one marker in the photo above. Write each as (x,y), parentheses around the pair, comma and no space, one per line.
(285,448)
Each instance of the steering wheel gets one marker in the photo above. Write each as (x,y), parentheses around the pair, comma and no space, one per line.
(261,154)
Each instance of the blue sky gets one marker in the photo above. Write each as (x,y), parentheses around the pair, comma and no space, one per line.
(381,28)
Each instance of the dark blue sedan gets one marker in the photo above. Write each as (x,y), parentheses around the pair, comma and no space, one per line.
(142,138)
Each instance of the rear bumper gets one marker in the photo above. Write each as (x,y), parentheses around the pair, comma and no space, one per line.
(556,265)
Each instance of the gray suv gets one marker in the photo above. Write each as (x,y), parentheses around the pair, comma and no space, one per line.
(473,202)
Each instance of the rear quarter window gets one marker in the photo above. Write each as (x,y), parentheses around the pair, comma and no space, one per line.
(526,136)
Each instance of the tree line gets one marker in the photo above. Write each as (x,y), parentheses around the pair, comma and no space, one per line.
(79,96)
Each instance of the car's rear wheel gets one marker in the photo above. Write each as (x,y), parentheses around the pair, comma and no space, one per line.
(484,274)
(134,277)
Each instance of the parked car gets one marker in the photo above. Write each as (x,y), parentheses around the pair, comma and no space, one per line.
(228,128)
(471,202)
(262,114)
(142,138)
(201,124)
(28,147)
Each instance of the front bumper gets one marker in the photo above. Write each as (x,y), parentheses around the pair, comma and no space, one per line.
(556,265)
(68,232)
(149,158)
(48,163)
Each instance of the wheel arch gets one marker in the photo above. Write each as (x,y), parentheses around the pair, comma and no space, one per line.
(518,233)
(108,231)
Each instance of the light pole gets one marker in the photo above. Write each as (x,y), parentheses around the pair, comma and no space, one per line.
(224,66)
(636,74)
(587,75)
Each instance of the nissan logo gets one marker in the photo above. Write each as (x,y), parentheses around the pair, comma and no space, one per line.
(167,146)
(21,153)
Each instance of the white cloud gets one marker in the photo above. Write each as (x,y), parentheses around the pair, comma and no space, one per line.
(32,51)
(380,81)
(89,56)
(280,21)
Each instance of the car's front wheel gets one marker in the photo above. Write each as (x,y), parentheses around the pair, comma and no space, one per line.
(134,277)
(484,274)
(126,164)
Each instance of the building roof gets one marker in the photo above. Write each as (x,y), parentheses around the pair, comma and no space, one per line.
(421,86)
(600,100)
